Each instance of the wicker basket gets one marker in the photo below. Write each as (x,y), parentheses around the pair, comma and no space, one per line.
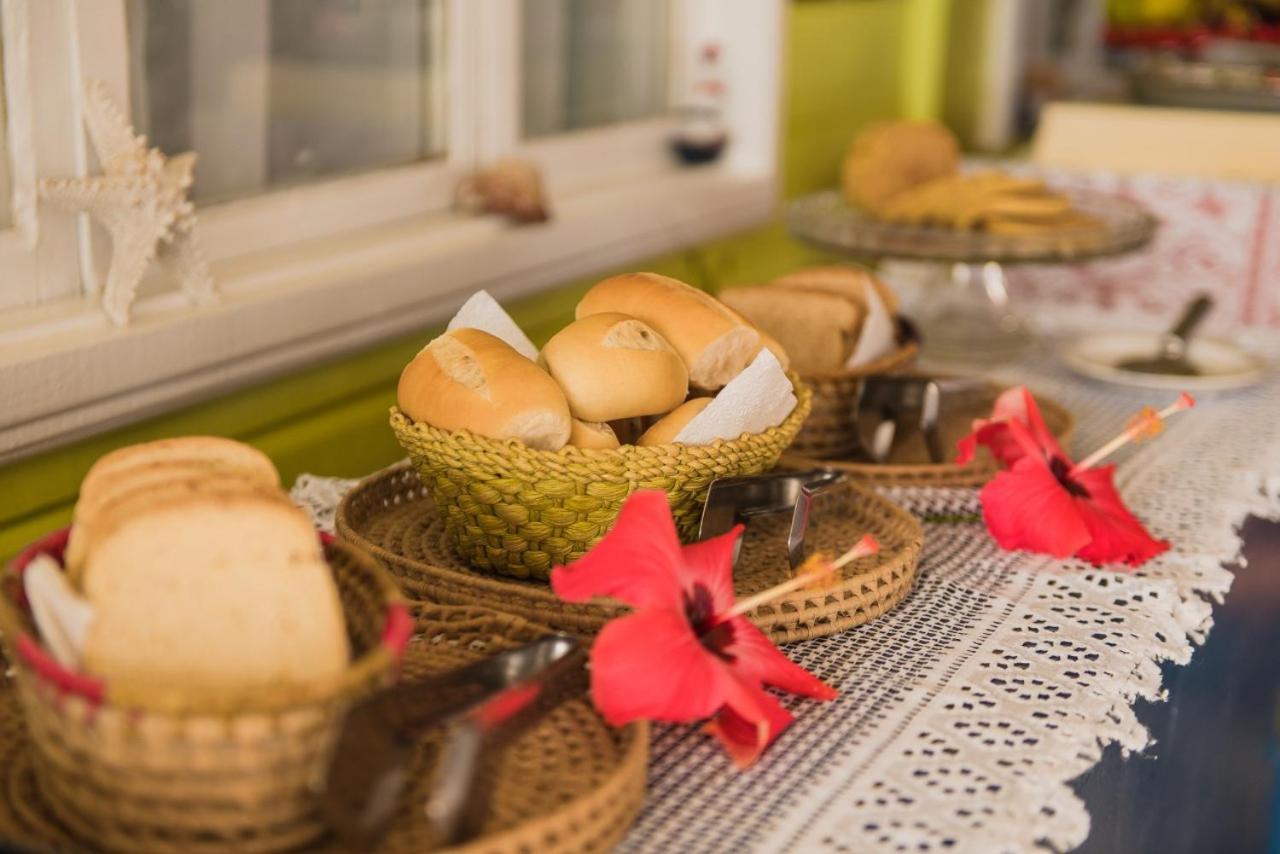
(831,431)
(518,511)
(184,780)
(569,783)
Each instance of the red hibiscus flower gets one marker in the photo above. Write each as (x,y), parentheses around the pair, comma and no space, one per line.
(1014,404)
(1043,502)
(686,653)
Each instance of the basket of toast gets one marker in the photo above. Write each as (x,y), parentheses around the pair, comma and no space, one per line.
(839,325)
(183,653)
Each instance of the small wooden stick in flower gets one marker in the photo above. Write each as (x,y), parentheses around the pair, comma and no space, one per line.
(805,576)
(1145,425)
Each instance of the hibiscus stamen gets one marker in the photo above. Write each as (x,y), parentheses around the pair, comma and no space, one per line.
(805,577)
(817,568)
(1147,424)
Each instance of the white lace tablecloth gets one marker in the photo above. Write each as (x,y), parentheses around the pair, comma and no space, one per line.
(964,713)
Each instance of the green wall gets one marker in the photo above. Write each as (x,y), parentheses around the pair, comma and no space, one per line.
(849,61)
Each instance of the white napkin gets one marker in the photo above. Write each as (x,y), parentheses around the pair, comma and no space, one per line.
(62,616)
(758,398)
(482,312)
(878,333)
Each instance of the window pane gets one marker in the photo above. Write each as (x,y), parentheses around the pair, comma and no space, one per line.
(271,93)
(593,62)
(6,185)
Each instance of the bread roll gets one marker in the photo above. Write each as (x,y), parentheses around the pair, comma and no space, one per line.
(714,343)
(665,430)
(593,435)
(470,380)
(212,598)
(890,157)
(851,282)
(819,330)
(774,346)
(613,366)
(767,341)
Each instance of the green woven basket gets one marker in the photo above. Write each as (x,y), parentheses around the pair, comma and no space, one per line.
(518,511)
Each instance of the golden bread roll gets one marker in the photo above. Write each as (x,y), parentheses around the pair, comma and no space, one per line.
(593,435)
(714,343)
(846,281)
(767,341)
(664,431)
(819,329)
(470,380)
(889,157)
(613,366)
(210,598)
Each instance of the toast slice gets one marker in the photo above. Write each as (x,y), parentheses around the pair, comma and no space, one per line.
(113,501)
(208,599)
(817,329)
(850,282)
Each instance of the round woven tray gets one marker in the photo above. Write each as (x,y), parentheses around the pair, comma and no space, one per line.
(908,463)
(830,428)
(570,783)
(389,515)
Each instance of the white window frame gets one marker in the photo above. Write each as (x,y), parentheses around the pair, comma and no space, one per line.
(307,273)
(39,251)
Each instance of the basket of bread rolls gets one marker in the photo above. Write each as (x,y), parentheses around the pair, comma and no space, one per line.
(184,652)
(839,325)
(529,455)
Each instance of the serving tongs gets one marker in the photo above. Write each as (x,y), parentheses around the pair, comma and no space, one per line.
(889,407)
(484,706)
(731,500)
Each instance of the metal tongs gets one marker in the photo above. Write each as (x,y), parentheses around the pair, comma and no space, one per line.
(483,705)
(731,500)
(889,406)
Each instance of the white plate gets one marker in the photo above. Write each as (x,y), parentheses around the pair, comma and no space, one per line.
(1222,365)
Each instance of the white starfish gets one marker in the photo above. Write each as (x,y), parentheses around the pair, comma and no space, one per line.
(141,199)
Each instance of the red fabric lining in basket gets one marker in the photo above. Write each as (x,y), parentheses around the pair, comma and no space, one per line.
(395,632)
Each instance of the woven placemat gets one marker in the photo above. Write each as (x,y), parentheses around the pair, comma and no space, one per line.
(389,515)
(909,464)
(570,783)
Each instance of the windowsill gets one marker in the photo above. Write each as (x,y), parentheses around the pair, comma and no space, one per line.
(66,372)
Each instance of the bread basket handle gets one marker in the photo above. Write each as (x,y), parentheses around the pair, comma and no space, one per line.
(397,630)
(398,626)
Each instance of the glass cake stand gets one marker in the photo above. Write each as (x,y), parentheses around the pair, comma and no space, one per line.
(967,316)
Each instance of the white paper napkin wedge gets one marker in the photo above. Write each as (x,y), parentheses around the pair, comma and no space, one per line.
(483,312)
(758,398)
(878,333)
(62,616)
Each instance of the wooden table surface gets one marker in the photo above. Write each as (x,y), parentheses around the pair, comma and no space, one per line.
(1211,781)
